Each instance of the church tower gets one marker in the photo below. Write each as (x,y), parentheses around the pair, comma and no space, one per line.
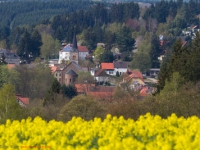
(74,54)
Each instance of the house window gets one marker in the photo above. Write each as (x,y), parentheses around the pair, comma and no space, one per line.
(70,80)
(110,72)
(56,74)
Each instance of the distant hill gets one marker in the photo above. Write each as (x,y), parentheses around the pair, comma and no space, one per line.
(20,12)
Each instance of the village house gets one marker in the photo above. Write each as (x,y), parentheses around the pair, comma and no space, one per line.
(23,101)
(10,57)
(114,67)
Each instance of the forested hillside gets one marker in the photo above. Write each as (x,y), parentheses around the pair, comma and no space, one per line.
(32,12)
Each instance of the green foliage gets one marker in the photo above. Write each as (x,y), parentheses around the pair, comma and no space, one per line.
(124,40)
(8,76)
(98,52)
(50,47)
(9,107)
(36,43)
(85,78)
(117,74)
(69,91)
(107,56)
(82,106)
(154,52)
(141,61)
(33,82)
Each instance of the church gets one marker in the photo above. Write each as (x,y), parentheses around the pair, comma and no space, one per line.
(69,52)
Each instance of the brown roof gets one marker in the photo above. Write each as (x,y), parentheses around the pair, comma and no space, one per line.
(133,74)
(101,72)
(122,64)
(82,49)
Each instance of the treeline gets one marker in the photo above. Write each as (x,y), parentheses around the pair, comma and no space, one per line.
(15,13)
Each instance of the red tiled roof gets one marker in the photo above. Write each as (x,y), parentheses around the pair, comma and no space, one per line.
(134,74)
(143,91)
(82,49)
(10,66)
(81,88)
(53,69)
(24,100)
(107,66)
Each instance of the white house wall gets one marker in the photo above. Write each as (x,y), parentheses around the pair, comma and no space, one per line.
(120,70)
(82,55)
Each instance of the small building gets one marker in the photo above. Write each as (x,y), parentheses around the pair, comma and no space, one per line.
(23,101)
(10,57)
(83,52)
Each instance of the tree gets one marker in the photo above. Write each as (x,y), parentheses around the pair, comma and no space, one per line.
(9,107)
(107,56)
(193,64)
(3,44)
(179,60)
(36,43)
(141,61)
(124,40)
(85,78)
(82,106)
(25,45)
(98,52)
(69,91)
(52,93)
(49,47)
(33,82)
(8,76)
(154,52)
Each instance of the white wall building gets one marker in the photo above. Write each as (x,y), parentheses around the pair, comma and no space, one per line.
(83,52)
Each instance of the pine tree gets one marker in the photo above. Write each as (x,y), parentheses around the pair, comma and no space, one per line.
(193,65)
(154,52)
(36,43)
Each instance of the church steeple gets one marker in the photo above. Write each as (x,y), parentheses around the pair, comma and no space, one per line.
(74,45)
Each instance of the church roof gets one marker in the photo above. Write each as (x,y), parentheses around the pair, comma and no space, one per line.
(67,48)
(71,72)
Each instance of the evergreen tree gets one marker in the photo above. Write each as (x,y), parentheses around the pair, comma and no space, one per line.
(124,39)
(36,43)
(193,65)
(69,91)
(52,93)
(155,51)
(25,45)
(107,56)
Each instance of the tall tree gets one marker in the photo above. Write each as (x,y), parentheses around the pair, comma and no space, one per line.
(141,61)
(9,107)
(36,43)
(25,45)
(69,91)
(194,62)
(124,39)
(52,93)
(107,56)
(155,51)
